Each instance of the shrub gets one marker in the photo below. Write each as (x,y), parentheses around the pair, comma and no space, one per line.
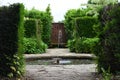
(107,49)
(71,45)
(11,35)
(31,46)
(82,45)
(89,43)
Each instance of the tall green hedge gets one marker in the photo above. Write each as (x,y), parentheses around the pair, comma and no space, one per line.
(33,37)
(83,27)
(83,33)
(46,21)
(30,28)
(69,20)
(108,48)
(11,35)
(47,27)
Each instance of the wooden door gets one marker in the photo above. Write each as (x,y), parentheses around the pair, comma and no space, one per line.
(58,36)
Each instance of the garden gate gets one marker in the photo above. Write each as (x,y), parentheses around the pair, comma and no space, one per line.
(58,36)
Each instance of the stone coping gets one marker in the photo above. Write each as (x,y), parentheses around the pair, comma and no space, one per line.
(64,56)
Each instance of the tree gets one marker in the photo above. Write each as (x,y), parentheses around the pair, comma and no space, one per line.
(96,5)
(33,13)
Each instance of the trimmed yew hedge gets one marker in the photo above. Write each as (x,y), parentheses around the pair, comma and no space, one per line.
(11,35)
(83,27)
(30,28)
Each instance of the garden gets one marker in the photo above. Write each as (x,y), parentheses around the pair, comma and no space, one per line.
(94,30)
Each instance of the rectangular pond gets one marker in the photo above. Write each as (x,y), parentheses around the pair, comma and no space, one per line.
(59,61)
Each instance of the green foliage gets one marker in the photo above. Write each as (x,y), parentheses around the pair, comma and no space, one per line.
(83,30)
(71,45)
(96,5)
(30,28)
(83,27)
(33,13)
(79,27)
(82,45)
(106,74)
(69,20)
(108,48)
(33,33)
(11,35)
(46,22)
(47,25)
(31,46)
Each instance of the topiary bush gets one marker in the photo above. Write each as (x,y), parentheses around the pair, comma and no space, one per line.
(107,49)
(11,36)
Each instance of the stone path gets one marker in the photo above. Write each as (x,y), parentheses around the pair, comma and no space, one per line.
(60,72)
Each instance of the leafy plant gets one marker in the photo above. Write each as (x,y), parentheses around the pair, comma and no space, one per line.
(71,45)
(82,45)
(31,46)
(46,22)
(106,74)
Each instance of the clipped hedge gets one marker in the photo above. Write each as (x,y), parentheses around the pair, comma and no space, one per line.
(83,35)
(46,20)
(83,27)
(30,28)
(11,35)
(108,48)
(33,34)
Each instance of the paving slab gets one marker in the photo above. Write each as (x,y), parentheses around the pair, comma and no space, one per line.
(59,53)
(61,72)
